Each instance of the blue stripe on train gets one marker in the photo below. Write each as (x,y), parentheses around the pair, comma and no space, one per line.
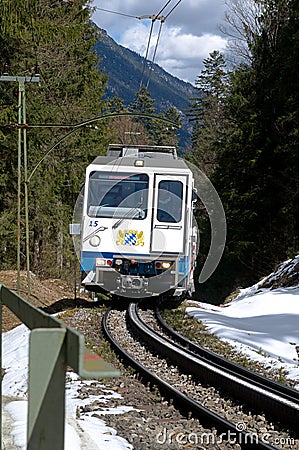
(88,259)
(184,266)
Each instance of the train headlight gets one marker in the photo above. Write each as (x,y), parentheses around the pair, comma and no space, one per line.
(104,262)
(100,262)
(163,265)
(95,241)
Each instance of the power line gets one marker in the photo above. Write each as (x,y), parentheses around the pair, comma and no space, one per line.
(162,19)
(154,55)
(165,6)
(146,54)
(124,14)
(154,18)
(173,9)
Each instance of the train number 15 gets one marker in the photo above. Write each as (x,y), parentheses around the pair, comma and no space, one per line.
(93,223)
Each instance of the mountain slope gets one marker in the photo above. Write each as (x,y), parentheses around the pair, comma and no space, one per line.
(125,69)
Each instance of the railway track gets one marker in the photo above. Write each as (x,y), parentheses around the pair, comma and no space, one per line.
(281,402)
(283,394)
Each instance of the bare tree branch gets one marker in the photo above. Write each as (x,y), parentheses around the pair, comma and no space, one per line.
(243,23)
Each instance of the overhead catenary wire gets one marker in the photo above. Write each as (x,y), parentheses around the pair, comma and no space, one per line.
(165,6)
(145,16)
(154,55)
(162,21)
(146,54)
(118,13)
(179,1)
(154,18)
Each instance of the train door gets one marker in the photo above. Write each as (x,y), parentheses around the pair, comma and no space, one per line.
(168,230)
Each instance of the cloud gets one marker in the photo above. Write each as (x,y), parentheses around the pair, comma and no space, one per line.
(178,53)
(188,34)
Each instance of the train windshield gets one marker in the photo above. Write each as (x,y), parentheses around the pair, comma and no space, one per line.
(117,195)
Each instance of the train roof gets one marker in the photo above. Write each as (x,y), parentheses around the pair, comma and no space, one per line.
(119,150)
(152,156)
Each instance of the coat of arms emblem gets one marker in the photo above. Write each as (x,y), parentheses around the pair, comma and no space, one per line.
(130,237)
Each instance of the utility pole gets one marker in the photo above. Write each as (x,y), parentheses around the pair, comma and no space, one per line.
(22,133)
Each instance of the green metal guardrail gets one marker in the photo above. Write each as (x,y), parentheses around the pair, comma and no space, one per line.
(53,346)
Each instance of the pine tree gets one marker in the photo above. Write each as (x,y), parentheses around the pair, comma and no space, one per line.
(257,169)
(207,112)
(256,173)
(171,136)
(157,131)
(143,104)
(58,37)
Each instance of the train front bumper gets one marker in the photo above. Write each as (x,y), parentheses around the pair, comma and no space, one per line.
(108,280)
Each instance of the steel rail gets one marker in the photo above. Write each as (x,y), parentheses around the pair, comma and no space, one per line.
(283,408)
(277,388)
(207,417)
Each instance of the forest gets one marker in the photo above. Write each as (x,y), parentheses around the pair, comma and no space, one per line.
(245,134)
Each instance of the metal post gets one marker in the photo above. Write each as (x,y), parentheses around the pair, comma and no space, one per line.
(53,347)
(75,229)
(46,388)
(22,88)
(19,190)
(22,126)
(1,368)
(75,275)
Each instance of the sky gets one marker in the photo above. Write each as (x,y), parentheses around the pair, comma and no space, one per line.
(188,35)
(261,323)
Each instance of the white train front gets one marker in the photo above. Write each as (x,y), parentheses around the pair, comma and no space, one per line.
(138,237)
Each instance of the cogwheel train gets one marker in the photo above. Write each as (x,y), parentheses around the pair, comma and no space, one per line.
(138,235)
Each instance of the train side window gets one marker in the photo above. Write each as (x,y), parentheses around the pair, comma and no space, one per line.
(170,195)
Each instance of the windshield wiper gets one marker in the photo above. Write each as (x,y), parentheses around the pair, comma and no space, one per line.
(127,216)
